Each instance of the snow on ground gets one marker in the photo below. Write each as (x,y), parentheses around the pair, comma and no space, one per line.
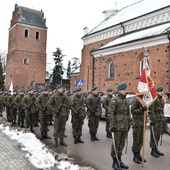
(37,152)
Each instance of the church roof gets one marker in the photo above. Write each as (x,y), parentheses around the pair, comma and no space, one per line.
(130,12)
(31,17)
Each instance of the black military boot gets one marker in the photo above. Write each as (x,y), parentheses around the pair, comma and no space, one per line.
(79,139)
(19,125)
(46,136)
(122,165)
(92,137)
(31,129)
(108,134)
(22,125)
(158,152)
(136,158)
(56,143)
(42,136)
(62,142)
(140,157)
(154,153)
(75,140)
(96,137)
(116,165)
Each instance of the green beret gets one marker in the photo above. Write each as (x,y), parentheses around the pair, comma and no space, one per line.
(109,90)
(59,86)
(159,89)
(94,88)
(122,86)
(45,88)
(21,90)
(78,89)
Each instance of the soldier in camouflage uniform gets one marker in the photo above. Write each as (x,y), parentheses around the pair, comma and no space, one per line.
(36,117)
(20,108)
(120,123)
(7,106)
(1,102)
(93,105)
(13,107)
(58,104)
(105,104)
(30,108)
(41,103)
(137,110)
(78,114)
(156,117)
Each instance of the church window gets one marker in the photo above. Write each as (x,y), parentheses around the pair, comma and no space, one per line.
(26,33)
(111,70)
(26,61)
(37,34)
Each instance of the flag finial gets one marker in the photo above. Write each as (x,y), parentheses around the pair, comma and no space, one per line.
(144,51)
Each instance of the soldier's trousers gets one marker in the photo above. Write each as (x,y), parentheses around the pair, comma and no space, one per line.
(1,108)
(137,138)
(44,122)
(29,120)
(59,127)
(107,123)
(21,116)
(157,128)
(93,124)
(77,125)
(120,138)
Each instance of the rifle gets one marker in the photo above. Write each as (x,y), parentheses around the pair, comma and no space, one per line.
(31,103)
(96,107)
(60,106)
(82,102)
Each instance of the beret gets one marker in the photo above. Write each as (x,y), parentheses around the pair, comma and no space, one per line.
(45,88)
(159,89)
(122,86)
(109,90)
(94,88)
(77,89)
(59,86)
(21,90)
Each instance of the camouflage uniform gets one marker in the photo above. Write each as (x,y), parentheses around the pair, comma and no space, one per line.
(7,107)
(41,103)
(120,121)
(12,107)
(20,109)
(137,110)
(78,114)
(105,104)
(58,104)
(156,118)
(30,108)
(93,105)
(1,102)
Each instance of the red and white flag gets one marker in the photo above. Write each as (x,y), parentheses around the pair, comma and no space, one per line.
(11,88)
(146,86)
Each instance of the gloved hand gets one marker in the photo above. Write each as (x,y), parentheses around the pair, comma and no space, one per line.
(152,123)
(144,108)
(113,129)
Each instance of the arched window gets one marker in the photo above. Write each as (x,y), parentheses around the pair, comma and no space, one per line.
(26,60)
(26,33)
(37,34)
(111,70)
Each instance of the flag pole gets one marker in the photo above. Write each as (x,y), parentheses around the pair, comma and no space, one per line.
(144,129)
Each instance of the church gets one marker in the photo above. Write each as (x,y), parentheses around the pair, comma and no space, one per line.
(26,58)
(113,50)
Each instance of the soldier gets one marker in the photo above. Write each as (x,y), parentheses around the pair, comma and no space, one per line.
(105,104)
(137,110)
(119,125)
(29,106)
(20,108)
(36,117)
(41,103)
(12,107)
(78,114)
(1,102)
(7,106)
(50,93)
(156,117)
(58,104)
(93,104)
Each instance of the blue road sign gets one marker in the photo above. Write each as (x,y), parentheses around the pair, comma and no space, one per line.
(80,82)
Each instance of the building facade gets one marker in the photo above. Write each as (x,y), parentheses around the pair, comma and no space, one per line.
(26,58)
(113,50)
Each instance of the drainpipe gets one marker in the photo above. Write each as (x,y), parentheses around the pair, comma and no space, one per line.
(168,35)
(121,24)
(92,69)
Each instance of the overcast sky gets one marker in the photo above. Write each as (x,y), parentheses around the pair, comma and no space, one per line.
(65,20)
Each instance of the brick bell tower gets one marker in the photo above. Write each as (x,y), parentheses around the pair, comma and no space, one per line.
(26,58)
